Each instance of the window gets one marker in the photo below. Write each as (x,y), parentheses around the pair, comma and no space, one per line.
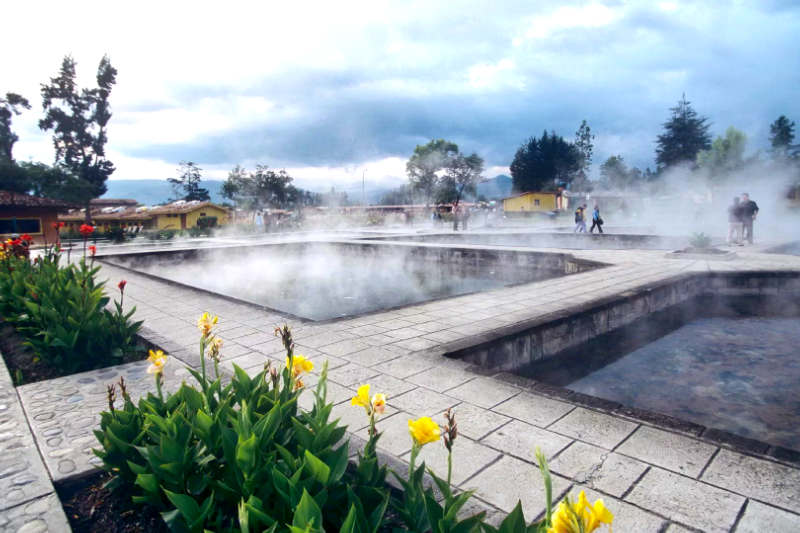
(536,201)
(20,225)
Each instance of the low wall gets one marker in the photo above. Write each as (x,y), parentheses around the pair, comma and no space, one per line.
(550,336)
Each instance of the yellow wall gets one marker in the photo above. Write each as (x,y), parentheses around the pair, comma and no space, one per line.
(164,221)
(527,202)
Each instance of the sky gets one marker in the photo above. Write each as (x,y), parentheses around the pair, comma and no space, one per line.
(337,91)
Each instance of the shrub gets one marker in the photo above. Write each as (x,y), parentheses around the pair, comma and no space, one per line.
(61,313)
(243,457)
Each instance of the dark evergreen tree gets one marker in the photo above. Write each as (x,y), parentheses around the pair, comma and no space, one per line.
(781,137)
(187,185)
(79,119)
(544,164)
(685,135)
(11,105)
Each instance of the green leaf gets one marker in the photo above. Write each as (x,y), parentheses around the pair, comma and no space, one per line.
(308,515)
(317,468)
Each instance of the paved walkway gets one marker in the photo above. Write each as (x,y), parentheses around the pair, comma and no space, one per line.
(654,480)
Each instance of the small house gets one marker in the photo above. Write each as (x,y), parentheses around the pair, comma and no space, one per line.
(22,213)
(535,202)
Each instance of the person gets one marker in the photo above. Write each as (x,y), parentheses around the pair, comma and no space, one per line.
(749,210)
(735,222)
(580,219)
(596,220)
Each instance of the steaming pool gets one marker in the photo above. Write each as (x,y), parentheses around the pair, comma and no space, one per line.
(322,281)
(727,363)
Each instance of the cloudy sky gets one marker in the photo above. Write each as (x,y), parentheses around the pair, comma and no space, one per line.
(331,90)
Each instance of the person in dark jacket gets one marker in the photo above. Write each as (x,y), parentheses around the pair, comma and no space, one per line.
(735,222)
(749,210)
(597,220)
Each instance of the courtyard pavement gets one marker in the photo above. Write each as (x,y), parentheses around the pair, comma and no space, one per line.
(653,480)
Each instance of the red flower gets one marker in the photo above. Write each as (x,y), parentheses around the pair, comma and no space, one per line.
(121,285)
(27,238)
(86,230)
(92,249)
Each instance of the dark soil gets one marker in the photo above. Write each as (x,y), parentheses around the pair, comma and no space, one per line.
(23,367)
(92,509)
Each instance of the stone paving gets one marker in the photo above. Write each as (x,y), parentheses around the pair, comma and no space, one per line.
(655,480)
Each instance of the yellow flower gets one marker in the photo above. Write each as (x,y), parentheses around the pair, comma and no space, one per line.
(580,516)
(424,430)
(205,323)
(157,359)
(379,403)
(299,365)
(362,398)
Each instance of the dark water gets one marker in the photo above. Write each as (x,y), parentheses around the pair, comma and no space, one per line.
(737,374)
(321,283)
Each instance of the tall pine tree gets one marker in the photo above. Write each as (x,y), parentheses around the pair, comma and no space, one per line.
(685,134)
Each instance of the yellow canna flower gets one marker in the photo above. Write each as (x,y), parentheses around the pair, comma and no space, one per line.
(157,359)
(362,398)
(580,516)
(206,322)
(299,365)
(424,430)
(379,403)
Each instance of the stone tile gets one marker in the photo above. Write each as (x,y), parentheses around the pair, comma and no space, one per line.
(403,333)
(595,428)
(416,345)
(475,422)
(534,409)
(441,378)
(668,450)
(597,468)
(422,402)
(485,392)
(405,366)
(510,480)
(756,478)
(687,501)
(759,518)
(395,438)
(371,356)
(521,440)
(352,374)
(344,348)
(468,458)
(627,518)
(40,515)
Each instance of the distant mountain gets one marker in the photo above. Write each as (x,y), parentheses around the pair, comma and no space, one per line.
(496,188)
(153,192)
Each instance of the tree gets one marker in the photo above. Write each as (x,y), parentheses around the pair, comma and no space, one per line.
(9,106)
(684,136)
(461,178)
(425,165)
(585,145)
(781,137)
(545,163)
(187,185)
(79,119)
(725,155)
(263,188)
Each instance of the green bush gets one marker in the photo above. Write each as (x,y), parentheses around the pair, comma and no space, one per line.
(61,313)
(243,457)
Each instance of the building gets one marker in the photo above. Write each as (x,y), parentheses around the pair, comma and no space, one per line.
(184,215)
(536,202)
(22,213)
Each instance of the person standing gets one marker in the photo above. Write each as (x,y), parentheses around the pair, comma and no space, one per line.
(749,210)
(597,220)
(735,222)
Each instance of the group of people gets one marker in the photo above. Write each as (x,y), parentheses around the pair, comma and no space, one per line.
(741,215)
(580,220)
